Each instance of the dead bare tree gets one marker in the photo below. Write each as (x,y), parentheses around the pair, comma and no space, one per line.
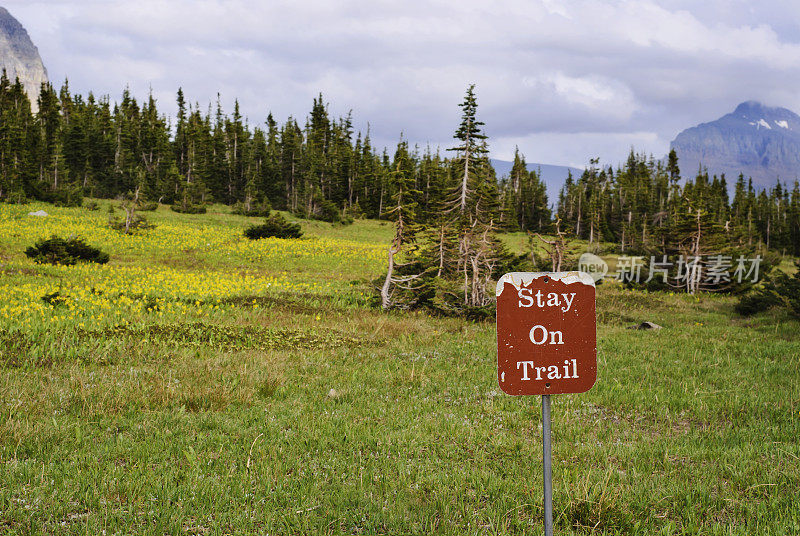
(130,207)
(556,247)
(405,235)
(132,221)
(483,263)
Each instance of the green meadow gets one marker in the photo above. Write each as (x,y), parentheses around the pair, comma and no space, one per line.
(204,384)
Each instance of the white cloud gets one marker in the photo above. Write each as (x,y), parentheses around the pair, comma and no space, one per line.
(590,92)
(581,78)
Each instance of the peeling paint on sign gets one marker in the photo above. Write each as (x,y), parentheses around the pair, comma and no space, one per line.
(546,333)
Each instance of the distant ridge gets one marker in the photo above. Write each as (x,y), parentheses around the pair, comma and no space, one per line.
(552,176)
(759,141)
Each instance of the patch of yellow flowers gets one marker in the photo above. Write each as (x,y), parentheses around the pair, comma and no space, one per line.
(16,227)
(144,277)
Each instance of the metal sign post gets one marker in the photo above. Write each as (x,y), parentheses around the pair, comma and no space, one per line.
(546,344)
(548,467)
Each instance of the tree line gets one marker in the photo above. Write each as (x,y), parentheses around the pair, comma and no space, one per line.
(319,167)
(642,203)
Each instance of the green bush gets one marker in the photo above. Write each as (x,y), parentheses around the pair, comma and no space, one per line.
(62,197)
(354,212)
(56,299)
(274,226)
(756,302)
(55,250)
(16,197)
(779,289)
(138,223)
(328,211)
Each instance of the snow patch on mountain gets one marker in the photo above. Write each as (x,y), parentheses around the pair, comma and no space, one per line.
(760,123)
(756,140)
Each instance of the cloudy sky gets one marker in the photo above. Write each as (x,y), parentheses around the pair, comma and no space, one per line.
(563,80)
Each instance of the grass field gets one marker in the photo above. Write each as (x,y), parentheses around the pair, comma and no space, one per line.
(203,384)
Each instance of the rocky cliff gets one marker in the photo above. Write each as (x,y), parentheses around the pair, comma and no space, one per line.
(19,57)
(759,141)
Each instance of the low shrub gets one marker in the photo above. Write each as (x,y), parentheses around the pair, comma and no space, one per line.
(354,212)
(63,197)
(328,211)
(756,302)
(56,299)
(778,289)
(16,197)
(137,223)
(55,250)
(274,226)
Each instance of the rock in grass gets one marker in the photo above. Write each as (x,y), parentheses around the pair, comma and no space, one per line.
(40,213)
(334,394)
(646,325)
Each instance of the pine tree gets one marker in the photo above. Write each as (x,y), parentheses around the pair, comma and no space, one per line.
(475,228)
(470,149)
(695,239)
(403,212)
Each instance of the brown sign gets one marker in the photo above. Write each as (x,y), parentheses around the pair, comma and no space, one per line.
(546,333)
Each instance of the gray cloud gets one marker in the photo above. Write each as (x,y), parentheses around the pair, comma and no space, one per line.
(565,81)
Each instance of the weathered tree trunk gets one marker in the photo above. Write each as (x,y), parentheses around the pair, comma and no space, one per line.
(441,252)
(463,203)
(350,189)
(130,211)
(693,278)
(293,189)
(386,298)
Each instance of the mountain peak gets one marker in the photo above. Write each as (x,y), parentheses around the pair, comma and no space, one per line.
(751,107)
(755,110)
(20,57)
(757,140)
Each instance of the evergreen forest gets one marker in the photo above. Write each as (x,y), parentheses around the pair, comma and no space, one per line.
(318,167)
